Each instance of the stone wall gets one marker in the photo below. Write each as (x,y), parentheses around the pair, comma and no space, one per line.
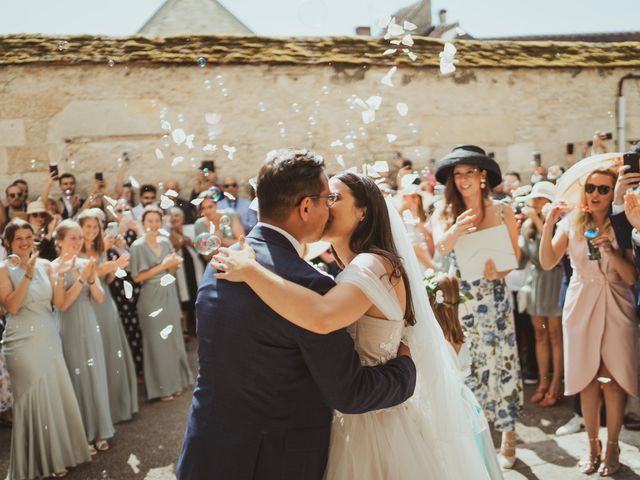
(82,114)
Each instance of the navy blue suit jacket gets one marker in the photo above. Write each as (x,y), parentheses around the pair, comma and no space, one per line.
(262,406)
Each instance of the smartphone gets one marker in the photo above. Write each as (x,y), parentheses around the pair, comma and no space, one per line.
(54,169)
(537,157)
(208,165)
(631,159)
(125,156)
(112,229)
(606,136)
(491,155)
(98,176)
(569,148)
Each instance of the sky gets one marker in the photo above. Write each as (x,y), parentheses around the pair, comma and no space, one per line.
(481,18)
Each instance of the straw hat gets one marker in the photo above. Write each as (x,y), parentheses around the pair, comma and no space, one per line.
(541,189)
(36,207)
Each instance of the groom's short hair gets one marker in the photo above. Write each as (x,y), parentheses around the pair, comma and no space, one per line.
(288,176)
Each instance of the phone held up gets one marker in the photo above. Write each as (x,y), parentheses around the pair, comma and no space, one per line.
(53,168)
(632,160)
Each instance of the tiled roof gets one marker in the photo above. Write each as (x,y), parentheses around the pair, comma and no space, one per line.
(219,49)
(576,37)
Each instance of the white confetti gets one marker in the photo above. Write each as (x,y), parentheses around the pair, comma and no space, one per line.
(178,136)
(407,40)
(340,160)
(155,313)
(159,154)
(176,161)
(409,219)
(447,59)
(384,21)
(163,232)
(350,146)
(253,182)
(604,379)
(166,331)
(395,42)
(189,141)
(212,118)
(166,202)
(351,170)
(386,80)
(337,143)
(410,54)
(381,166)
(390,51)
(402,109)
(112,211)
(230,150)
(370,171)
(133,462)
(197,201)
(164,125)
(209,148)
(409,179)
(229,196)
(394,29)
(171,193)
(374,101)
(391,137)
(408,26)
(368,116)
(134,182)
(167,279)
(460,32)
(110,200)
(358,101)
(128,289)
(120,273)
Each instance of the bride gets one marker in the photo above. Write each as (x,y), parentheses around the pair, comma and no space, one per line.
(379,296)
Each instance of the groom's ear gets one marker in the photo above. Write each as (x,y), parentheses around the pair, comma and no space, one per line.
(304,208)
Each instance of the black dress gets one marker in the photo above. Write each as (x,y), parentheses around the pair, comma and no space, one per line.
(127,307)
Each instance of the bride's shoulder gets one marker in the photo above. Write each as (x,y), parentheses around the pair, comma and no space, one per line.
(373,262)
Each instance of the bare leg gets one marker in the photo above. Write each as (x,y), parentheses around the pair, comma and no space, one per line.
(554,326)
(591,401)
(615,398)
(543,357)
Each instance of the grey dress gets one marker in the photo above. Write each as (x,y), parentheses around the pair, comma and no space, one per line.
(545,285)
(166,368)
(121,373)
(84,354)
(48,435)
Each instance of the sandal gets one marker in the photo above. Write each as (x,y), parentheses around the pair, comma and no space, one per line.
(92,450)
(591,463)
(507,457)
(610,469)
(168,398)
(60,474)
(550,399)
(539,395)
(102,445)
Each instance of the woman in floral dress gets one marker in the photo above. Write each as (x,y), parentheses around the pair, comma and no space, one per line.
(469,174)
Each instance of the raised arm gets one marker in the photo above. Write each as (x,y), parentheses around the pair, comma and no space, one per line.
(338,308)
(552,247)
(11,298)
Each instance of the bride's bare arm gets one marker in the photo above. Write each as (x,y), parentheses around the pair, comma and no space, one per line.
(338,308)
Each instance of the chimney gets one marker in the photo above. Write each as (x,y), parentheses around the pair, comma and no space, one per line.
(363,31)
(442,14)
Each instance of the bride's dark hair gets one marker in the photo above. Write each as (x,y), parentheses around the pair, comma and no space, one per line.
(373,233)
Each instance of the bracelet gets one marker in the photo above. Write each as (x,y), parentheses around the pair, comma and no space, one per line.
(92,282)
(81,281)
(26,275)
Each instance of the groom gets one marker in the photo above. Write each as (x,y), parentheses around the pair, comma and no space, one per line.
(262,407)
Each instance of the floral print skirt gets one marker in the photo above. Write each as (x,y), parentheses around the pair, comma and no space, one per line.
(6,396)
(495,379)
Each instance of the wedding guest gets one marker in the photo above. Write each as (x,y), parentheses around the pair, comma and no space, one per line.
(43,225)
(81,339)
(166,368)
(148,196)
(189,210)
(190,272)
(415,220)
(70,203)
(121,375)
(226,224)
(247,216)
(16,203)
(544,299)
(598,315)
(48,435)
(469,174)
(205,179)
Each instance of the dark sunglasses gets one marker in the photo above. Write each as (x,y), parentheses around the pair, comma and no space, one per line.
(15,195)
(38,214)
(602,189)
(230,185)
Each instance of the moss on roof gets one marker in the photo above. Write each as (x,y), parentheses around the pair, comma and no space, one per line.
(227,49)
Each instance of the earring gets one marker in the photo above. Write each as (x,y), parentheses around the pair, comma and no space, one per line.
(483,183)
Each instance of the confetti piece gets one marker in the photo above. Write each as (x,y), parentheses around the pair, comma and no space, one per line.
(134,182)
(408,26)
(167,279)
(176,161)
(133,462)
(407,40)
(159,154)
(120,273)
(166,202)
(155,313)
(178,136)
(402,109)
(386,80)
(391,137)
(166,331)
(390,51)
(209,148)
(128,289)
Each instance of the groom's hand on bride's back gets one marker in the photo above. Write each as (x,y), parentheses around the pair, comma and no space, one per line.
(403,350)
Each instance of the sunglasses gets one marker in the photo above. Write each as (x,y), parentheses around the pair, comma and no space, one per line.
(602,189)
(230,185)
(15,195)
(38,214)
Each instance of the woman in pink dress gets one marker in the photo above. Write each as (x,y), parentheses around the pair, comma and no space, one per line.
(598,316)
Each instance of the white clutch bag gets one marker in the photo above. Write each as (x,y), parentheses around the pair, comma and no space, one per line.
(474,249)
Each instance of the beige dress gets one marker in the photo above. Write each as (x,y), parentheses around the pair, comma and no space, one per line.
(597,320)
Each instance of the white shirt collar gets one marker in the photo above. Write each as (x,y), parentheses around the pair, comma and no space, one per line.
(296,244)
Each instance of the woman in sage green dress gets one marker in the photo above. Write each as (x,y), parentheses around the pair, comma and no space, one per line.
(80,333)
(48,435)
(227,226)
(121,375)
(166,368)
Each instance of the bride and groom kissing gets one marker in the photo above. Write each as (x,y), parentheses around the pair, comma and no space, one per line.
(304,377)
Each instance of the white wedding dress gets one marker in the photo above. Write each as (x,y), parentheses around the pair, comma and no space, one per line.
(433,435)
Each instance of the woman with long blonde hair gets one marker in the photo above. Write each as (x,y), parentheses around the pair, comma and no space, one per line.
(598,316)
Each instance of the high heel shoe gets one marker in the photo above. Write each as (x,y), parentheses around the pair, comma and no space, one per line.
(507,461)
(539,395)
(609,469)
(550,399)
(592,462)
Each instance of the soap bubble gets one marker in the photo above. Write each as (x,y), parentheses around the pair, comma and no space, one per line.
(12,261)
(32,164)
(215,193)
(225,221)
(262,106)
(220,80)
(111,63)
(206,243)
(295,107)
(202,62)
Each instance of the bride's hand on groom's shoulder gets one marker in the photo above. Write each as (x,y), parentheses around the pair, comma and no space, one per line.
(234,265)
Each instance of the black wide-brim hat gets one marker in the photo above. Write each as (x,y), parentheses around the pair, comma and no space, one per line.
(468,155)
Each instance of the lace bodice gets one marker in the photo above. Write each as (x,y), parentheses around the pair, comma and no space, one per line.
(376,339)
